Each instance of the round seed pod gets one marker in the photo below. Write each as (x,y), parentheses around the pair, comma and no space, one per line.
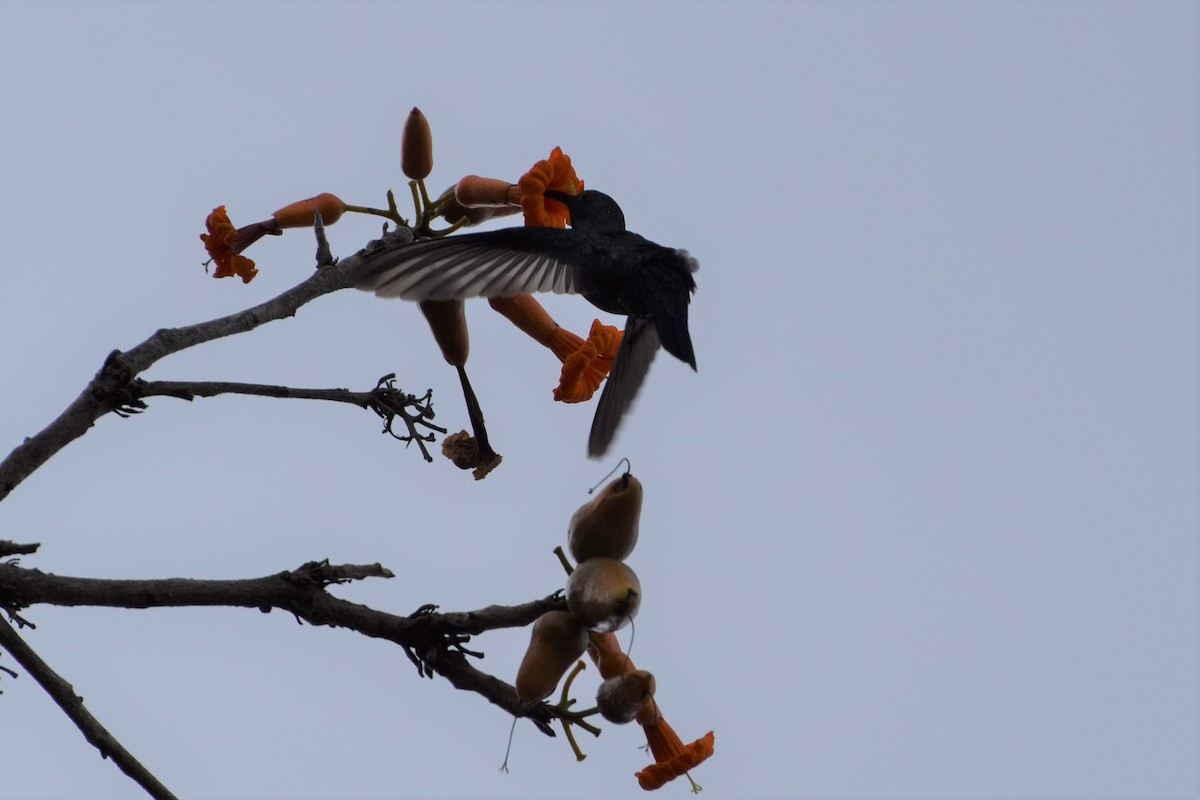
(607,526)
(620,699)
(556,641)
(604,594)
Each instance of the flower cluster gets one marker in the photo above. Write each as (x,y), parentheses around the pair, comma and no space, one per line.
(604,594)
(586,362)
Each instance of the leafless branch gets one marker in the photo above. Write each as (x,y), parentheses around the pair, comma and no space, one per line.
(433,640)
(8,548)
(110,389)
(72,705)
(385,400)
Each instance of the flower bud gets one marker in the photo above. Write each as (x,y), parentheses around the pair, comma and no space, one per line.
(603,594)
(608,525)
(452,211)
(300,213)
(474,191)
(620,699)
(448,321)
(416,148)
(556,641)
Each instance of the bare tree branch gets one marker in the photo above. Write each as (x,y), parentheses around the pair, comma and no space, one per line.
(109,389)
(385,400)
(433,640)
(8,548)
(72,705)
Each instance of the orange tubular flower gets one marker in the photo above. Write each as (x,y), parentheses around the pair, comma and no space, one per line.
(584,369)
(224,242)
(221,242)
(672,757)
(554,173)
(528,314)
(585,364)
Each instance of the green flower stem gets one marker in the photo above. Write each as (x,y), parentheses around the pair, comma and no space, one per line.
(393,214)
(562,557)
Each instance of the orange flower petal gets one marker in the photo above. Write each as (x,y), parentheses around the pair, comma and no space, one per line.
(221,231)
(219,243)
(240,266)
(671,757)
(554,173)
(586,368)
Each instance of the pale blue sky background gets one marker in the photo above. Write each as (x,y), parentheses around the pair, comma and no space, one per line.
(923,524)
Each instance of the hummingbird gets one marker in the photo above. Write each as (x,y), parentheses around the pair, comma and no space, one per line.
(616,270)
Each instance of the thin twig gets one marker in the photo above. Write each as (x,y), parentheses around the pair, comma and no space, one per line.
(388,402)
(190,390)
(72,705)
(8,548)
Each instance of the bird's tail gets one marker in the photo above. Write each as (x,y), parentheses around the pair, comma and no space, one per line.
(672,326)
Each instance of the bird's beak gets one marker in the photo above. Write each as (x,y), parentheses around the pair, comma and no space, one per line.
(566,199)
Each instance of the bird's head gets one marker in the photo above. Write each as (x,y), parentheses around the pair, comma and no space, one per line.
(591,210)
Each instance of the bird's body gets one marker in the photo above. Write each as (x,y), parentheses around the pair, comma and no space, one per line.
(617,271)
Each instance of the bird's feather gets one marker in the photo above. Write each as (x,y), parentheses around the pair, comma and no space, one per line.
(494,264)
(638,346)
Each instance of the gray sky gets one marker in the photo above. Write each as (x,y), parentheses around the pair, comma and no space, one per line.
(923,523)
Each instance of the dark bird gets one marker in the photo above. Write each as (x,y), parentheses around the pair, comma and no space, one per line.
(616,270)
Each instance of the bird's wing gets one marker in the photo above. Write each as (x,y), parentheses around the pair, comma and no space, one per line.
(493,264)
(638,346)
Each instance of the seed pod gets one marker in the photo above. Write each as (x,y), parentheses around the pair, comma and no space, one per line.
(448,321)
(620,699)
(607,526)
(300,213)
(556,641)
(603,594)
(416,148)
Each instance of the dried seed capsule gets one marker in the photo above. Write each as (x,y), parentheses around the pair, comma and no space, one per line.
(620,699)
(607,526)
(556,641)
(603,594)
